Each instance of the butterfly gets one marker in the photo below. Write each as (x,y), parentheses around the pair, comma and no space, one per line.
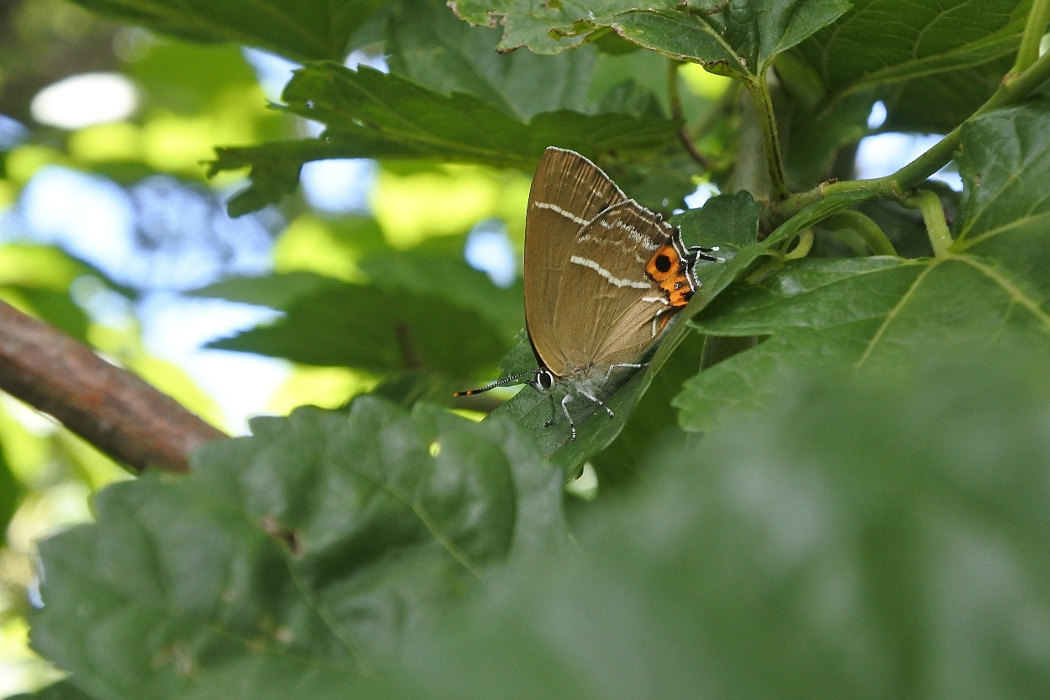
(604,276)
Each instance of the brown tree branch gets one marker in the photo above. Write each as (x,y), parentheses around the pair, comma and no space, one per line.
(113,409)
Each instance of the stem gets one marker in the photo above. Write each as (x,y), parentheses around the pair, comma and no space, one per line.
(933,214)
(873,236)
(802,248)
(1019,87)
(759,89)
(675,100)
(1034,29)
(916,172)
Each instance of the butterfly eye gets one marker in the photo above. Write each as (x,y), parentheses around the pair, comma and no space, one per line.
(544,379)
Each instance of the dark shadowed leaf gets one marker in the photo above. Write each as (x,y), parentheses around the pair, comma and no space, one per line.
(370,114)
(369,327)
(881,42)
(428,45)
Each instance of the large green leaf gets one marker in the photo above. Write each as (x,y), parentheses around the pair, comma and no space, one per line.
(370,114)
(938,103)
(742,37)
(544,27)
(290,563)
(887,41)
(988,292)
(931,63)
(736,37)
(880,537)
(302,30)
(427,44)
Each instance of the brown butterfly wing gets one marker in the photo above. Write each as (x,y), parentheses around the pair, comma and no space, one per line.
(568,192)
(626,278)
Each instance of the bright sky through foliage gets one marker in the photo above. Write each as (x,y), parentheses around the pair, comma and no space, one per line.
(85,99)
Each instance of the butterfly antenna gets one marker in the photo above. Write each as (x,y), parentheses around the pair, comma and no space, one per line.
(699,253)
(506,380)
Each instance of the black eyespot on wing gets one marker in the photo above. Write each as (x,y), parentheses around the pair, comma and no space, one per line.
(662,263)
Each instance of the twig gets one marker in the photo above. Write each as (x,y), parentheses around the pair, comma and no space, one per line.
(677,113)
(113,409)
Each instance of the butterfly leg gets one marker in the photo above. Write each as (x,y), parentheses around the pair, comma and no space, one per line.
(554,414)
(565,409)
(598,401)
(608,374)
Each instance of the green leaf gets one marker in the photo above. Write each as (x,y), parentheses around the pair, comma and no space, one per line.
(277,291)
(62,690)
(881,42)
(989,293)
(880,537)
(1004,159)
(938,103)
(428,45)
(302,30)
(727,221)
(430,276)
(437,269)
(290,563)
(370,114)
(545,28)
(274,169)
(37,279)
(816,139)
(10,492)
(370,327)
(742,37)
(654,422)
(370,109)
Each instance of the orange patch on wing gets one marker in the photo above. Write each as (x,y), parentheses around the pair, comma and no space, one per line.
(668,270)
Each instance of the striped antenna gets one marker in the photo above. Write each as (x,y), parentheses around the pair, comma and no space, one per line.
(506,380)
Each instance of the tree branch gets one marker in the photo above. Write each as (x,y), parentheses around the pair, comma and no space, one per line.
(113,409)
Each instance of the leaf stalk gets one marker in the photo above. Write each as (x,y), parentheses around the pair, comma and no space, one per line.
(929,204)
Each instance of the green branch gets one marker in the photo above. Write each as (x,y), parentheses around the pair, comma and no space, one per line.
(1034,29)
